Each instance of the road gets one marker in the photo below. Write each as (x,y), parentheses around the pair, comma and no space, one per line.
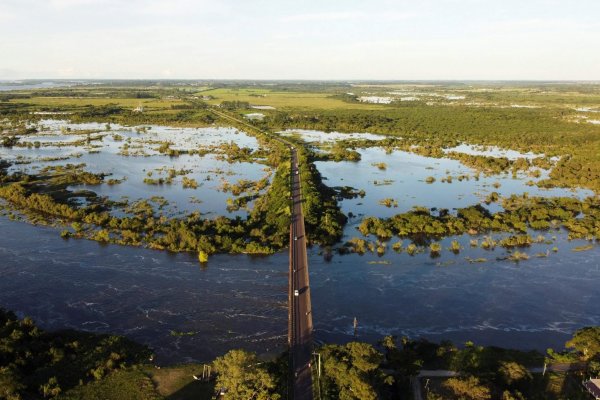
(300,309)
(300,305)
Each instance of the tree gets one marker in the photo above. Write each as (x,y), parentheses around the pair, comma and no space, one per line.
(352,371)
(507,395)
(10,384)
(241,375)
(586,341)
(512,372)
(467,388)
(50,388)
(594,368)
(202,257)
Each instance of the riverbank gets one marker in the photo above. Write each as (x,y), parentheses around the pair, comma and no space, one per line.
(75,365)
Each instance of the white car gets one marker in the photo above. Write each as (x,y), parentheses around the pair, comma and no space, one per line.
(296,172)
(296,293)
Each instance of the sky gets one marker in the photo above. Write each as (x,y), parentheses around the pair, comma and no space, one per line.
(307,39)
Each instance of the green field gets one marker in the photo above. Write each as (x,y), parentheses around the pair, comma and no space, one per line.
(130,103)
(286,100)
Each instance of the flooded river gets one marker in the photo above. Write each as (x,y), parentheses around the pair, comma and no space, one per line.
(240,301)
(186,312)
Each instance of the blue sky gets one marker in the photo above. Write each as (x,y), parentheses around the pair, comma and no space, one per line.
(326,39)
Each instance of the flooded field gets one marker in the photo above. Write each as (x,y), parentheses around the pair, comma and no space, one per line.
(132,157)
(315,137)
(405,179)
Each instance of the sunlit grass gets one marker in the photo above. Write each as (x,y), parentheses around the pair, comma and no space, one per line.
(284,99)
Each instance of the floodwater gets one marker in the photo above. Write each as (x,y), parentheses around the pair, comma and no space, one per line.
(105,153)
(404,180)
(311,136)
(190,313)
(18,85)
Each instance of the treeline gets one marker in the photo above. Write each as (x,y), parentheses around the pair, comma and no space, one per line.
(192,113)
(104,93)
(114,113)
(234,105)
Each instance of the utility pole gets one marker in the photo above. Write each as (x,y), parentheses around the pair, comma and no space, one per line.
(318,372)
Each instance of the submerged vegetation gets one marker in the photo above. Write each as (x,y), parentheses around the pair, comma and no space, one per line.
(522,213)
(263,232)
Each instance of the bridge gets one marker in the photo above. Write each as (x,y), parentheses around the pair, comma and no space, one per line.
(299,306)
(300,311)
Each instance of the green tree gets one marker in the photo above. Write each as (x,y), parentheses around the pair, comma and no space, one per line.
(586,341)
(512,372)
(352,371)
(467,388)
(10,384)
(50,388)
(240,373)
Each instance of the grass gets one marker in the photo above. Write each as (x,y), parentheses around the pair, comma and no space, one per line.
(120,385)
(586,247)
(146,383)
(285,99)
(98,101)
(177,383)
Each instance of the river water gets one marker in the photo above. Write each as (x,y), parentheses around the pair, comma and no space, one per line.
(237,301)
(19,85)
(240,301)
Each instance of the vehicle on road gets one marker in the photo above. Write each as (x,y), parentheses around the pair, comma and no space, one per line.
(296,293)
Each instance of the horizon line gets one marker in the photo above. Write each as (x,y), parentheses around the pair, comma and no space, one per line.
(4,80)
